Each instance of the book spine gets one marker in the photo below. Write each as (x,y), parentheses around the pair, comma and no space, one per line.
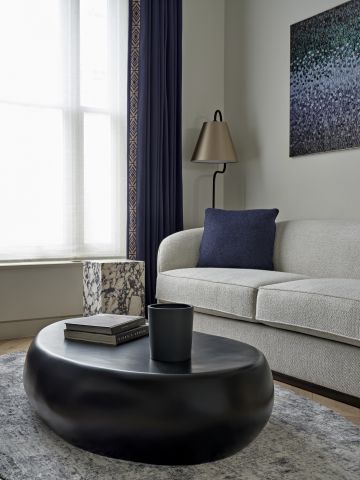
(128,336)
(111,341)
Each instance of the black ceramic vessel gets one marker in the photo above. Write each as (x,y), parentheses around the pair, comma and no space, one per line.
(170,331)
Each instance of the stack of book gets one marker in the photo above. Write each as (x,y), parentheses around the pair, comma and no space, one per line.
(106,329)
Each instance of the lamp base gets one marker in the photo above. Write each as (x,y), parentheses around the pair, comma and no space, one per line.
(214,184)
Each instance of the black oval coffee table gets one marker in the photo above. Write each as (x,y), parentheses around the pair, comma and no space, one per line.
(115,401)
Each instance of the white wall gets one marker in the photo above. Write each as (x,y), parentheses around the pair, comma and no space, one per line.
(257,104)
(33,296)
(203,93)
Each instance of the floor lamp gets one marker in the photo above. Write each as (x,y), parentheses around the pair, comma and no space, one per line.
(215,145)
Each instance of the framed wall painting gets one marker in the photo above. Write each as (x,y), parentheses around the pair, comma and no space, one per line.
(325,81)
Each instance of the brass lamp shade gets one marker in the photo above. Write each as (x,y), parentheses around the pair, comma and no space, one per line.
(214,144)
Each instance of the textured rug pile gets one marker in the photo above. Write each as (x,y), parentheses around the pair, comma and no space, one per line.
(302,441)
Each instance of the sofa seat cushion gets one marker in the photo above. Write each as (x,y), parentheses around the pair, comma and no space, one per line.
(325,307)
(230,292)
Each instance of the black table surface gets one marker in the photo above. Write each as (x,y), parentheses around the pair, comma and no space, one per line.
(210,354)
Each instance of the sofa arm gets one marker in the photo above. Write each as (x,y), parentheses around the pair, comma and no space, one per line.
(179,250)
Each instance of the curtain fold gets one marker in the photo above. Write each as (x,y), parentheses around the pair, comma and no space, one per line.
(154,130)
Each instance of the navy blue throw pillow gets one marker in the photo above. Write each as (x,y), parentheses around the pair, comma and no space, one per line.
(238,239)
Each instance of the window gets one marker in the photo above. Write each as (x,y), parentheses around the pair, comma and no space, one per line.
(63,128)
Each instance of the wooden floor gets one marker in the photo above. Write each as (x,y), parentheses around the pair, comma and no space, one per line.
(347,411)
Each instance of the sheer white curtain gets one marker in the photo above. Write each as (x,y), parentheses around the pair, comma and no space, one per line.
(63,90)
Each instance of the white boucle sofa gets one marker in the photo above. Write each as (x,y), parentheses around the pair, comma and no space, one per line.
(304,315)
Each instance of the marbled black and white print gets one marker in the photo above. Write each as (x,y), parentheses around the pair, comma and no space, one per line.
(114,287)
(123,288)
(91,288)
(324,81)
(302,441)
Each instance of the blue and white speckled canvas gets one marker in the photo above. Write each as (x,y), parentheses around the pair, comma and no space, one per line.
(324,81)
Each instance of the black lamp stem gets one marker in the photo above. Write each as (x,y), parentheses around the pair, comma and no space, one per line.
(214,183)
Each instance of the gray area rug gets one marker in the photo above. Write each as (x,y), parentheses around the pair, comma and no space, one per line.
(302,441)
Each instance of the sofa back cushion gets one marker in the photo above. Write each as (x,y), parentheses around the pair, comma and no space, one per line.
(318,248)
(238,239)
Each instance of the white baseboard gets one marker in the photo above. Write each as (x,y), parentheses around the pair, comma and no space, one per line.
(27,328)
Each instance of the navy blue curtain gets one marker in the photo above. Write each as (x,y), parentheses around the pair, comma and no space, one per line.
(154,131)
